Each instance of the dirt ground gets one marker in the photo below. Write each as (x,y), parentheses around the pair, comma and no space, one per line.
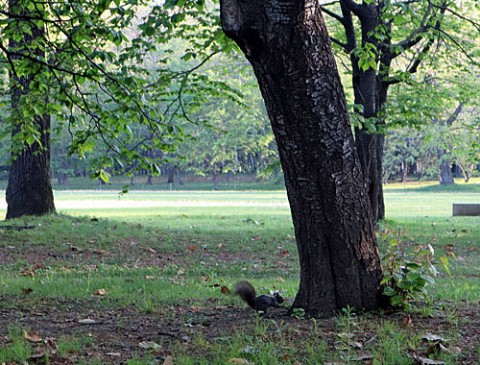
(117,334)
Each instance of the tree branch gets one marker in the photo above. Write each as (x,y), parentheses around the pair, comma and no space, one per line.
(332,14)
(417,35)
(349,28)
(468,20)
(352,6)
(458,45)
(9,59)
(452,118)
(341,44)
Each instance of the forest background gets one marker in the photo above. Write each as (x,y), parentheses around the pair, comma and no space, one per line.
(215,125)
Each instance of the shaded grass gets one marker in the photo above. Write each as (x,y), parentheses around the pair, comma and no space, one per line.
(162,254)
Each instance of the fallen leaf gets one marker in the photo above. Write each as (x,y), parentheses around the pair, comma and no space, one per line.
(450,250)
(355,345)
(32,336)
(196,309)
(433,338)
(239,361)
(37,357)
(27,272)
(100,292)
(426,361)
(168,361)
(192,248)
(51,343)
(225,290)
(407,321)
(101,252)
(149,345)
(363,358)
(284,253)
(114,354)
(345,335)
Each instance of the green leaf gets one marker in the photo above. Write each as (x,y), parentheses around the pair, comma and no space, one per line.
(397,300)
(149,31)
(30,140)
(389,292)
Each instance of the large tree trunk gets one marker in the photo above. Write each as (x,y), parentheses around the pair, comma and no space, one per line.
(289,48)
(29,190)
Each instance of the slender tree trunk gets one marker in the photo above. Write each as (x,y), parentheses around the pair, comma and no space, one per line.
(179,176)
(149,180)
(445,175)
(370,93)
(289,48)
(466,173)
(370,149)
(29,190)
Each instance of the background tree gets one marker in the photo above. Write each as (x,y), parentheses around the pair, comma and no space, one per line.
(89,60)
(29,189)
(289,49)
(436,113)
(387,42)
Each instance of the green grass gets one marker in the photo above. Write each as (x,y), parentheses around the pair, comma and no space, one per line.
(155,251)
(189,182)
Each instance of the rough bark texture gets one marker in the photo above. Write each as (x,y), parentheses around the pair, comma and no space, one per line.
(289,48)
(29,190)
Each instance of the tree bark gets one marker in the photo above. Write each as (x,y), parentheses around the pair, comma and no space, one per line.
(288,46)
(29,190)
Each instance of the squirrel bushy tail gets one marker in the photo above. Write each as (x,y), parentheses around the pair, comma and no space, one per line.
(246,291)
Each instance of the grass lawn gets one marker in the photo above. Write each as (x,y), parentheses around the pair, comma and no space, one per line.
(138,278)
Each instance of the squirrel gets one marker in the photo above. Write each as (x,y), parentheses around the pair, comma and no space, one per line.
(246,291)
